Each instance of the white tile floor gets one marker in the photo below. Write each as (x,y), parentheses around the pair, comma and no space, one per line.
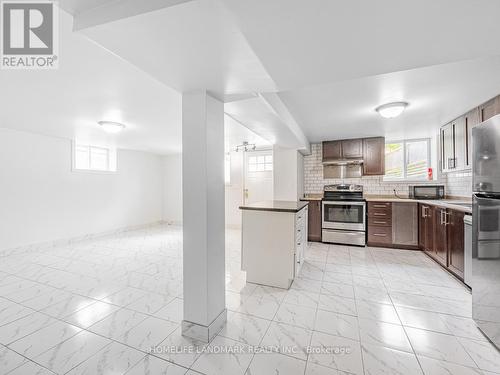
(97,307)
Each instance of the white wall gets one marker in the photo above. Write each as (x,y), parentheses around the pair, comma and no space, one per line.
(287,174)
(172,189)
(234,191)
(41,199)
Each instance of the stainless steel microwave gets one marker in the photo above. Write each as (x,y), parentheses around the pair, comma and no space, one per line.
(426,192)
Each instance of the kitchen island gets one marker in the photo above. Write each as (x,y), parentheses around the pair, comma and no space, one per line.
(274,239)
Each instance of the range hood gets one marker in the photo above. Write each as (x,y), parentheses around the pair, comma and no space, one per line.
(343,162)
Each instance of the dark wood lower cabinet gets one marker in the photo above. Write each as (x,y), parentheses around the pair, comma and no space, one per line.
(455,229)
(441,236)
(314,221)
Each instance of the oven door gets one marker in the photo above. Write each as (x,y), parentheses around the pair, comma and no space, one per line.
(344,215)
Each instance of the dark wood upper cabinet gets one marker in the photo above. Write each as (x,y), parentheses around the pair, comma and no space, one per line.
(352,148)
(332,150)
(374,156)
(471,120)
(489,109)
(314,221)
(455,243)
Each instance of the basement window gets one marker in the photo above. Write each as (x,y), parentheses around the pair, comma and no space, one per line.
(407,160)
(94,158)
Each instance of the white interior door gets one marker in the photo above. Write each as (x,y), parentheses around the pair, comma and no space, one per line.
(258,185)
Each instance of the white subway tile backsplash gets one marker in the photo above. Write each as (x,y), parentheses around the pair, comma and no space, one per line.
(456,183)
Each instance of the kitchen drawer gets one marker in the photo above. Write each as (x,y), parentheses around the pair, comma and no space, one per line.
(381,210)
(380,235)
(380,213)
(379,221)
(379,205)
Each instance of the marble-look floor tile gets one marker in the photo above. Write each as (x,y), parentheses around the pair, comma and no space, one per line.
(277,294)
(9,359)
(275,364)
(91,314)
(114,358)
(342,305)
(372,295)
(39,341)
(231,362)
(379,360)
(422,319)
(116,325)
(377,311)
(148,333)
(150,303)
(484,354)
(154,366)
(261,307)
(70,353)
(11,311)
(234,300)
(315,369)
(341,290)
(436,367)
(244,328)
(125,296)
(337,324)
(179,349)
(463,327)
(302,298)
(173,311)
(19,328)
(287,339)
(31,368)
(336,277)
(336,352)
(68,306)
(393,336)
(296,315)
(438,346)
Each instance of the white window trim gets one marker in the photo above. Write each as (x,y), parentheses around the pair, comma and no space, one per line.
(429,161)
(94,171)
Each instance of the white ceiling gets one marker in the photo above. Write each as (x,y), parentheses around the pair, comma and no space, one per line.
(92,84)
(436,95)
(331,63)
(303,43)
(194,45)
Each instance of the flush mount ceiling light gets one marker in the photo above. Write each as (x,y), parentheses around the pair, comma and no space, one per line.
(391,110)
(111,126)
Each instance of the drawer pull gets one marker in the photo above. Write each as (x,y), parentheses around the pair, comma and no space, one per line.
(379,214)
(380,222)
(380,235)
(379,205)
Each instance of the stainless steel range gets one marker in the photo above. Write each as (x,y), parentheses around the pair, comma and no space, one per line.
(344,215)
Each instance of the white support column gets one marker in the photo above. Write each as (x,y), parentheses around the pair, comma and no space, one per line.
(203,215)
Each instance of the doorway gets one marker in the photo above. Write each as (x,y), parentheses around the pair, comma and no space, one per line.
(258,172)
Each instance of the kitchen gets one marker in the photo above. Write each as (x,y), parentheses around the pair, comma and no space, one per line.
(232,187)
(448,211)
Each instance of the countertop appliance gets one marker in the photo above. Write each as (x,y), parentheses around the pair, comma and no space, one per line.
(344,215)
(486,228)
(426,192)
(468,250)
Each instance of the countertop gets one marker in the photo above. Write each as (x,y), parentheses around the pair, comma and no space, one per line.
(454,203)
(276,206)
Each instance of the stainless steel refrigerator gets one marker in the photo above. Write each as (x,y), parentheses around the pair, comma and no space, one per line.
(486,228)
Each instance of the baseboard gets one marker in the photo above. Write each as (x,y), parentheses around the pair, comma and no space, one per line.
(67,241)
